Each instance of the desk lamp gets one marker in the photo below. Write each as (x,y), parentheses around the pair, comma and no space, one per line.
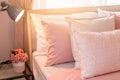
(15,13)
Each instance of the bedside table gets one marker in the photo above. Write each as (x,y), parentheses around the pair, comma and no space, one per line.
(7,73)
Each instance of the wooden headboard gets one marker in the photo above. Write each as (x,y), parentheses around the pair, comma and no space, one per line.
(31,34)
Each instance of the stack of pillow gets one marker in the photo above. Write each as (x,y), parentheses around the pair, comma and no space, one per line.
(88,38)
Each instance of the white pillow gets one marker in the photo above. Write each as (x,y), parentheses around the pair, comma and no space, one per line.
(108,13)
(99,52)
(88,25)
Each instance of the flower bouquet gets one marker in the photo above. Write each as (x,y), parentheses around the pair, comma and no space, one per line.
(18,58)
(18,55)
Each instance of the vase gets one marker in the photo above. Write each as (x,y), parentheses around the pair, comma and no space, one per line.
(19,67)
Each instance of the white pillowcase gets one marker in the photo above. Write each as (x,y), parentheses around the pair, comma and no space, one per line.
(99,52)
(88,25)
(108,13)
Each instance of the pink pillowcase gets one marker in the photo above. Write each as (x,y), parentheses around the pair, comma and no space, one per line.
(99,52)
(58,37)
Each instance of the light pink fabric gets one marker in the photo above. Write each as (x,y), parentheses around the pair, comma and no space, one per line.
(108,13)
(69,74)
(99,52)
(74,74)
(57,35)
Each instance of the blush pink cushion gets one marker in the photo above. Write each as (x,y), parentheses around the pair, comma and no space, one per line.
(99,52)
(58,37)
(108,13)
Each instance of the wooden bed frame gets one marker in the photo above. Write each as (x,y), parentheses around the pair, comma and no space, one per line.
(30,35)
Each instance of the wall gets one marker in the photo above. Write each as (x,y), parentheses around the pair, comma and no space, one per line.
(6,35)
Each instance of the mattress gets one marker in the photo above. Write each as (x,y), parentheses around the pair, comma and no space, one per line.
(41,72)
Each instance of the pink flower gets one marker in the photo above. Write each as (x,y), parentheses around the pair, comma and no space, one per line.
(18,55)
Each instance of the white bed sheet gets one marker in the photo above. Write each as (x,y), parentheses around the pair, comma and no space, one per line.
(39,69)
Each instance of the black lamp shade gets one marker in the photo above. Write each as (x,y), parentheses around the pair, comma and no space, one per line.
(15,13)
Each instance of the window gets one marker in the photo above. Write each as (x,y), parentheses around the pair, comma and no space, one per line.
(72,3)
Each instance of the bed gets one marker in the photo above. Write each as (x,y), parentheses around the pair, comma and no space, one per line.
(37,61)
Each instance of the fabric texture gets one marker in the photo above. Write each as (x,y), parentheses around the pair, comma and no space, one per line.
(68,74)
(38,67)
(74,74)
(99,52)
(108,13)
(58,38)
(88,25)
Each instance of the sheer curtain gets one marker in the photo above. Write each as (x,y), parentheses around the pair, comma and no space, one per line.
(40,4)
(20,26)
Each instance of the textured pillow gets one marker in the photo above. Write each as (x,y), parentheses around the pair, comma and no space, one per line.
(108,13)
(99,52)
(94,25)
(58,38)
(42,45)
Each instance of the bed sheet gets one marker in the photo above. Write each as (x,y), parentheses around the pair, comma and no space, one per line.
(74,74)
(45,72)
(64,71)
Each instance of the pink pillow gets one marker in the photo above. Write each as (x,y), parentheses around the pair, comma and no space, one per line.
(99,52)
(58,37)
(108,13)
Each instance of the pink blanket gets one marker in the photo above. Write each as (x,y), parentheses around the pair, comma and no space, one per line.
(74,74)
